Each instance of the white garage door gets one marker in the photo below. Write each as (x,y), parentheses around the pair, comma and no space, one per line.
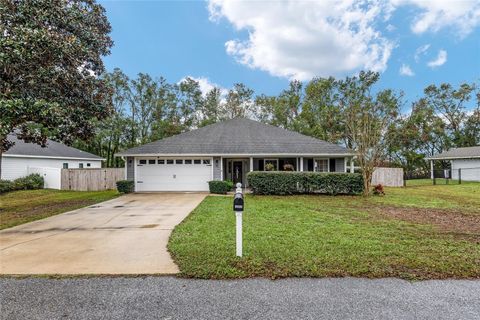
(173,174)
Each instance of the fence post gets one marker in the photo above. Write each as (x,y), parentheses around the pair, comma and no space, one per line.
(460,176)
(432,172)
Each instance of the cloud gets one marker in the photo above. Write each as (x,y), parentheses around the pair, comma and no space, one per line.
(405,70)
(439,60)
(390,27)
(206,85)
(461,15)
(303,39)
(422,50)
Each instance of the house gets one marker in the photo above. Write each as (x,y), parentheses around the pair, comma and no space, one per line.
(25,158)
(227,151)
(465,163)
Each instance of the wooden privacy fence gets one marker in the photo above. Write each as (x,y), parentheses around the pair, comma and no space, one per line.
(389,177)
(91,179)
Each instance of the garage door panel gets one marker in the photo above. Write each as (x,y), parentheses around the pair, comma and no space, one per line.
(178,177)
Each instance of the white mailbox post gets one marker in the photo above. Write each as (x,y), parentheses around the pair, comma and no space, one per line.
(238,205)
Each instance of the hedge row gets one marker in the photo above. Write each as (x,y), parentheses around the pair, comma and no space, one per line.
(30,182)
(284,182)
(125,186)
(220,187)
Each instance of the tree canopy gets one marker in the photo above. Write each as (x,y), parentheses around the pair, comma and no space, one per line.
(50,62)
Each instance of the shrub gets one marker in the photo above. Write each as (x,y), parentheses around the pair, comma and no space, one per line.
(220,187)
(378,190)
(125,186)
(282,183)
(30,182)
(5,186)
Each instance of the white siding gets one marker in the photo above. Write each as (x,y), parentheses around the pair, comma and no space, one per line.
(470,169)
(52,177)
(16,167)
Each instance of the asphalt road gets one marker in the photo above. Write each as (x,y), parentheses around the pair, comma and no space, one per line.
(173,298)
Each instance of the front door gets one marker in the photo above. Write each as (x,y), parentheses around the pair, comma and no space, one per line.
(237,173)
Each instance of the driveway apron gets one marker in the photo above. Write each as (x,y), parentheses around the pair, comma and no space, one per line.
(127,235)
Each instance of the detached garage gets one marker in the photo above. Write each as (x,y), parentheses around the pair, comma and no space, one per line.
(26,158)
(465,163)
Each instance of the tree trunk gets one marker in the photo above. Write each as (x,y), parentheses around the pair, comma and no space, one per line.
(1,153)
(367,181)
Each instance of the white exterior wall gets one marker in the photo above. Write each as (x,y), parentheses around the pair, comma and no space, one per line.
(52,177)
(470,169)
(16,167)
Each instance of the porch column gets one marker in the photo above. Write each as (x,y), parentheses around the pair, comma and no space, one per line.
(251,164)
(221,169)
(352,169)
(301,163)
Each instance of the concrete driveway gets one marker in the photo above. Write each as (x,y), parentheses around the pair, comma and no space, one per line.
(127,235)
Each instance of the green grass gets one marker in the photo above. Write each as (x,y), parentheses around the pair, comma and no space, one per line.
(438,181)
(320,236)
(24,206)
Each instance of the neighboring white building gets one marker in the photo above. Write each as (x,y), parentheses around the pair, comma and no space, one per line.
(25,158)
(464,161)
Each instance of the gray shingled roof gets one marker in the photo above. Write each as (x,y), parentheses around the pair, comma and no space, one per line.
(458,153)
(238,136)
(53,149)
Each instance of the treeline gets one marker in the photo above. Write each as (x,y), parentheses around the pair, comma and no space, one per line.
(147,109)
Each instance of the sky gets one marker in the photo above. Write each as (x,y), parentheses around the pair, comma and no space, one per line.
(266,44)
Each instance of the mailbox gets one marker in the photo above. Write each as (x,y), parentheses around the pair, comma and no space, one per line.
(238,202)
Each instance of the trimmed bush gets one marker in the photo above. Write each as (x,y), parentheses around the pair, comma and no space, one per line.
(31,182)
(220,187)
(283,183)
(6,186)
(126,186)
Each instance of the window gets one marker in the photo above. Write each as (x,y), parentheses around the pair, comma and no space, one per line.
(188,161)
(151,161)
(197,161)
(88,164)
(80,165)
(161,161)
(178,161)
(206,161)
(321,165)
(142,161)
(274,162)
(65,165)
(169,161)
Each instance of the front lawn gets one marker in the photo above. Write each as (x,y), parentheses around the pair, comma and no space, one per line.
(422,232)
(24,206)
